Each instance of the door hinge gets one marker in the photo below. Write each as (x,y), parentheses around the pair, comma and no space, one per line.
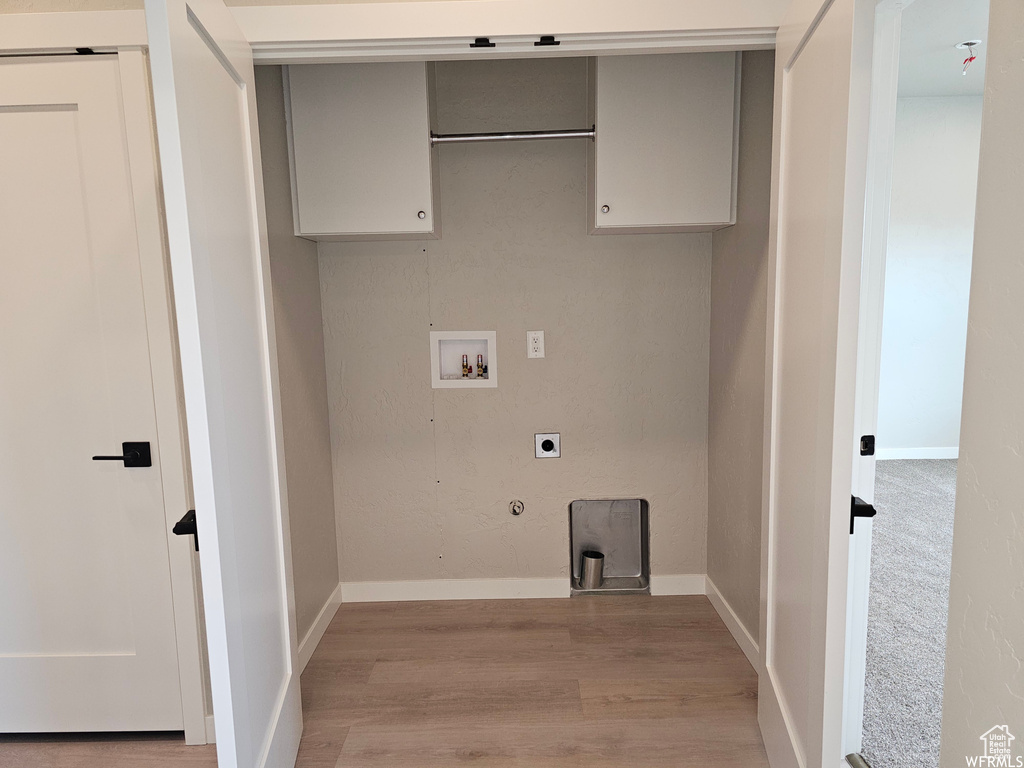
(860,508)
(867,445)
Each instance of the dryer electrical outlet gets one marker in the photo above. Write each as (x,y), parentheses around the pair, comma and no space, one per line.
(547,445)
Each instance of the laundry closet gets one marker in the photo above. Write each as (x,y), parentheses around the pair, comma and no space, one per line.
(420,228)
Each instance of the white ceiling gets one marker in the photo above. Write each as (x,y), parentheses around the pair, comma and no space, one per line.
(930,64)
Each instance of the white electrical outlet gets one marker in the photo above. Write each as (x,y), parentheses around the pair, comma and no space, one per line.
(535,343)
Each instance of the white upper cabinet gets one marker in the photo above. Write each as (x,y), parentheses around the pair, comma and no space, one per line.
(361,160)
(664,159)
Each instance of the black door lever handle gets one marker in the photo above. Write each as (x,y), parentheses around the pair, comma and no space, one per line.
(133,455)
(859,508)
(187,527)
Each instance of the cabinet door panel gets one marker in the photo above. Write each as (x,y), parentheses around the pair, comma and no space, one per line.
(361,155)
(666,141)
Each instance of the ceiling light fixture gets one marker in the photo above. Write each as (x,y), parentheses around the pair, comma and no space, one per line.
(969,46)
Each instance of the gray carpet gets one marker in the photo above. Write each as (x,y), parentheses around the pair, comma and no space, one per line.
(910,558)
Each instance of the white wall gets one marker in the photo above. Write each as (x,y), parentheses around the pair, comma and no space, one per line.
(424,477)
(927,276)
(390,19)
(984,670)
(295,281)
(739,306)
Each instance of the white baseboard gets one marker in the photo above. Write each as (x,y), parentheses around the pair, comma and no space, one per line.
(743,638)
(678,584)
(888,454)
(316,632)
(211,732)
(496,589)
(452,589)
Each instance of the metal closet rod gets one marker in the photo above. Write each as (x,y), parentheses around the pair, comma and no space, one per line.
(466,138)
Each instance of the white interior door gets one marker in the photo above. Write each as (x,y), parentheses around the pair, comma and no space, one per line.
(209,150)
(87,636)
(817,217)
(878,189)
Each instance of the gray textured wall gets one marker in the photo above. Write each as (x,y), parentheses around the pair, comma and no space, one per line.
(739,295)
(985,653)
(303,380)
(625,379)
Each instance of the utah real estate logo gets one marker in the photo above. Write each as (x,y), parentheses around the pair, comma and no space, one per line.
(997,751)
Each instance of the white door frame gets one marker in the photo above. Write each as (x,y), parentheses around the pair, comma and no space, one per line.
(583,27)
(511,47)
(119,32)
(881,144)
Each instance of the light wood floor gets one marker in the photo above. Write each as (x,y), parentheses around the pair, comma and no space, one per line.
(594,682)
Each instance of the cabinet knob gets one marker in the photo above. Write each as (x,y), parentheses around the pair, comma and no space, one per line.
(422,214)
(605,208)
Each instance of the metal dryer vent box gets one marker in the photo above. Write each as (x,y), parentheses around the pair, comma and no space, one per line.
(617,528)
